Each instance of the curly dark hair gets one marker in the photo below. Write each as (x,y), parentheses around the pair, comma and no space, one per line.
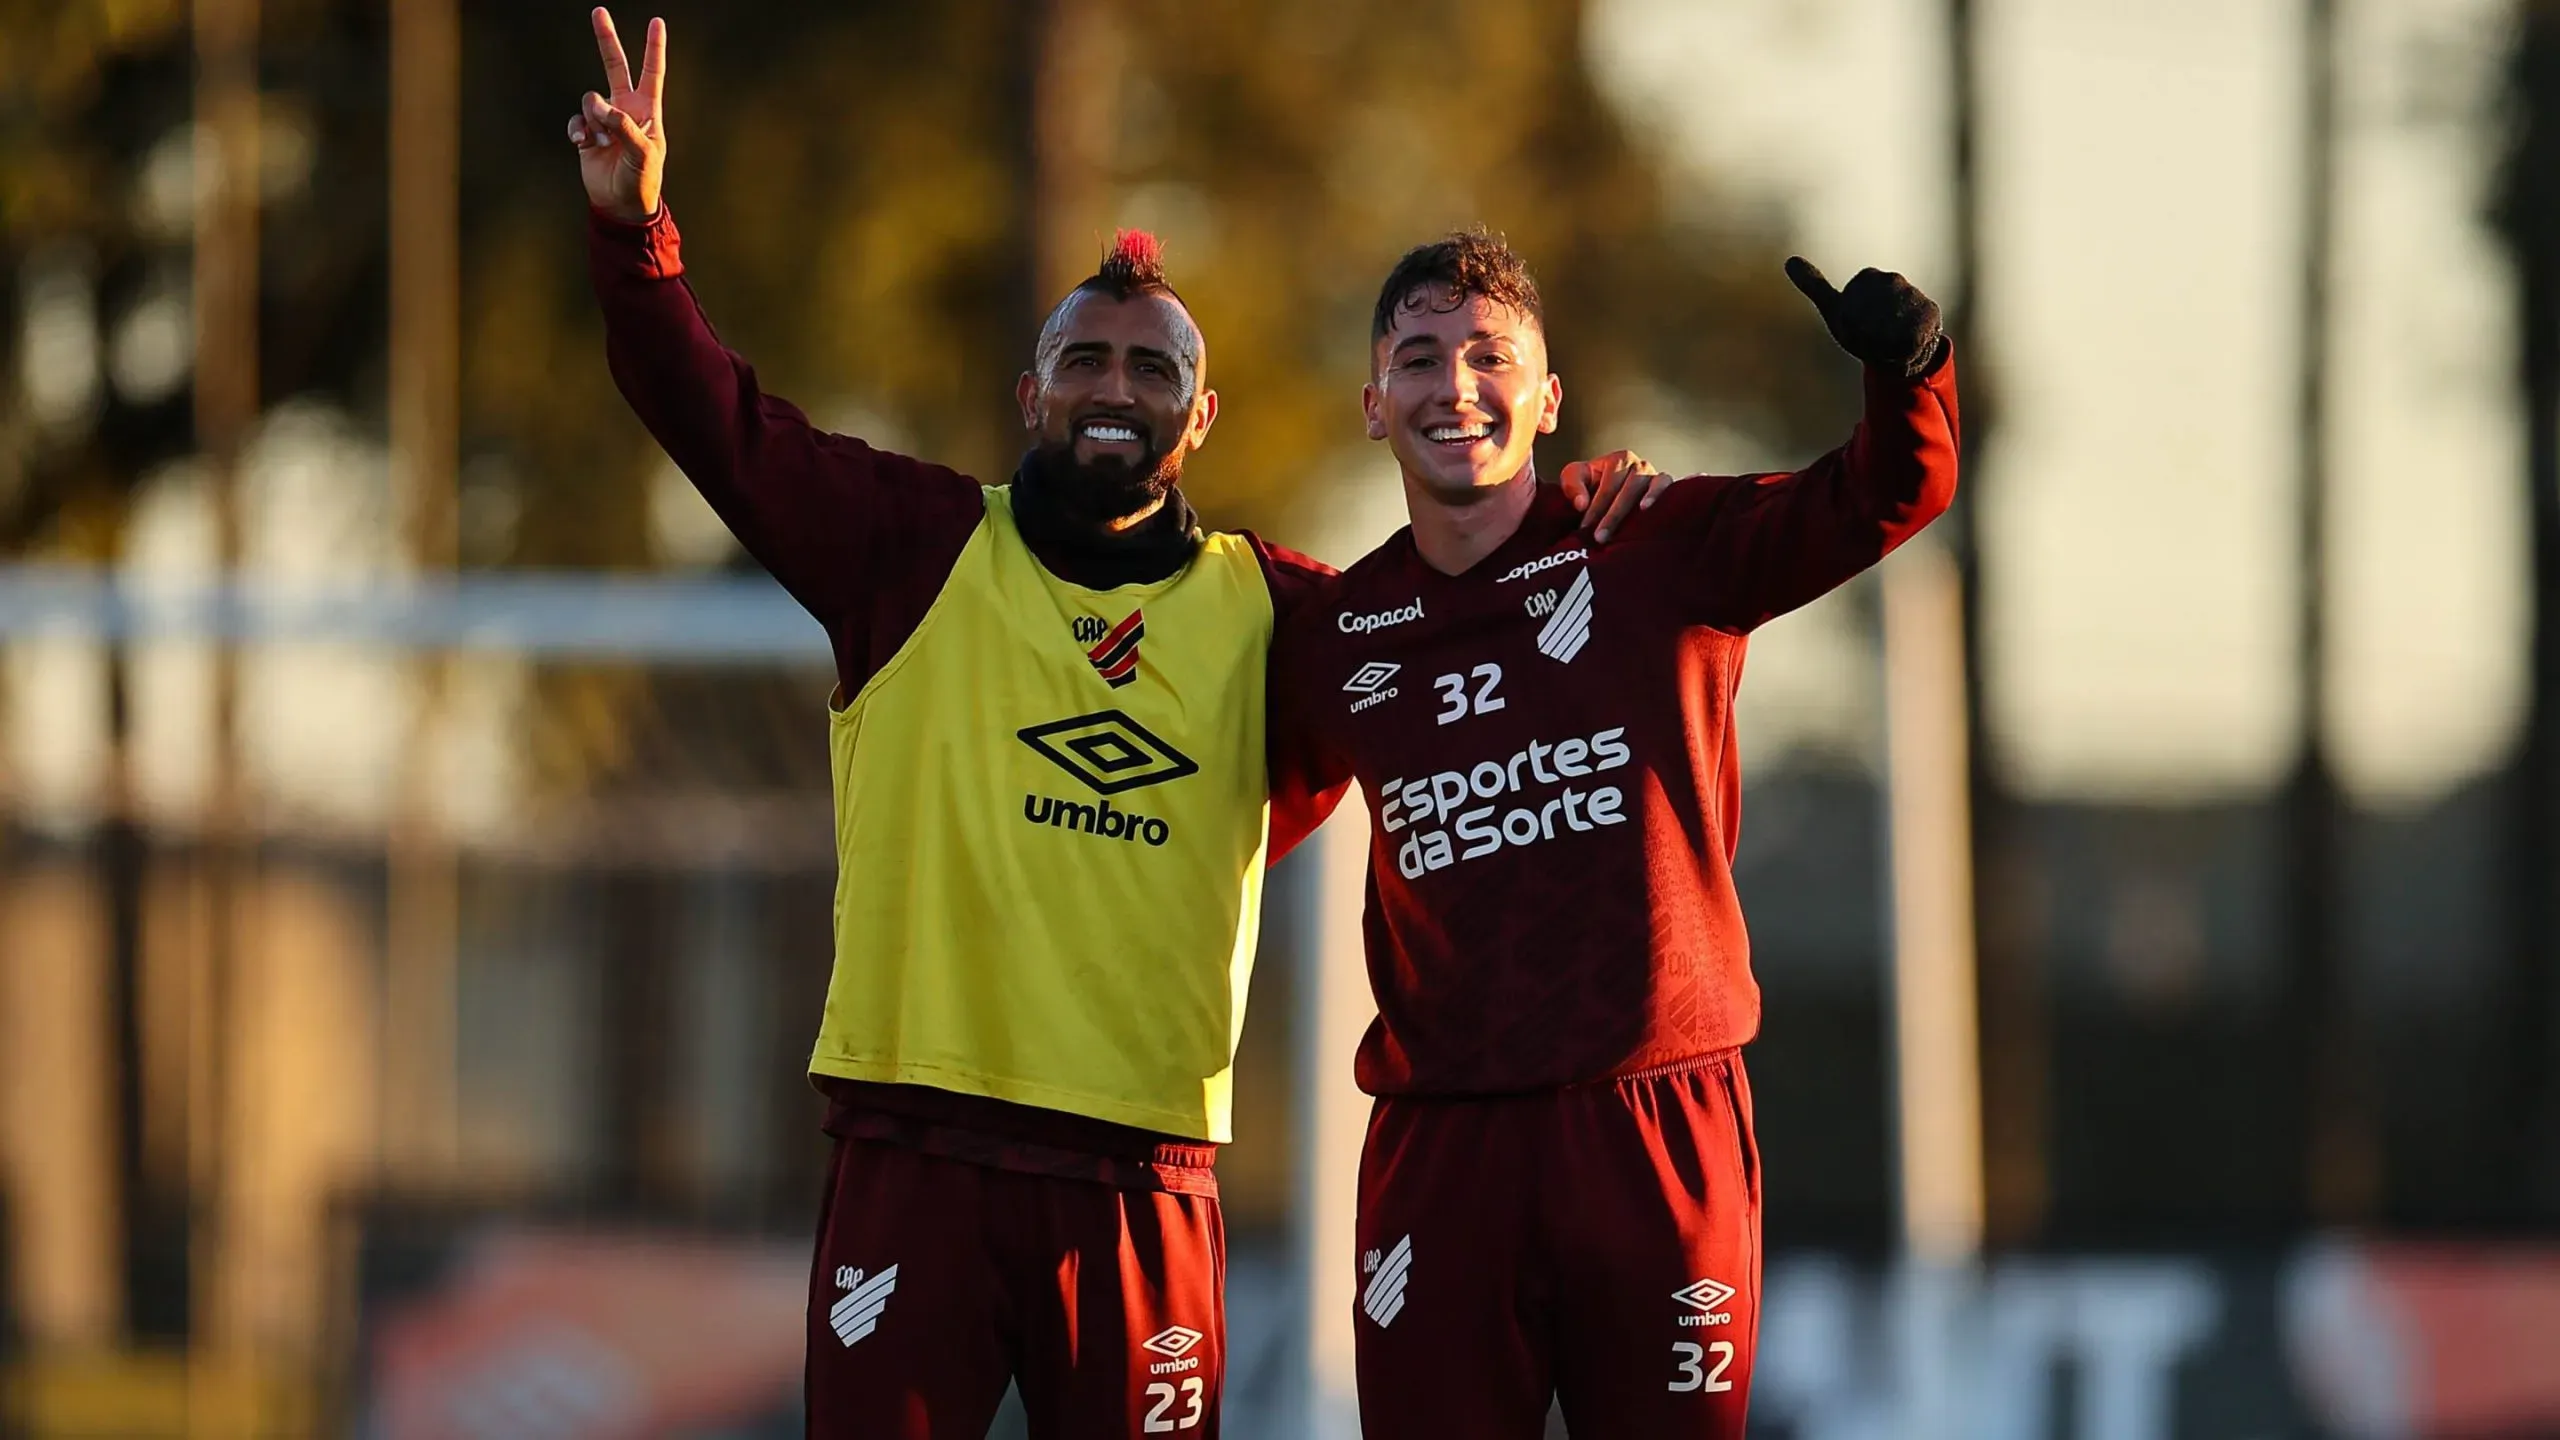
(1443,274)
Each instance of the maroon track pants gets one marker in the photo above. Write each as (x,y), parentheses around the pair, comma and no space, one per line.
(1598,1245)
(937,1281)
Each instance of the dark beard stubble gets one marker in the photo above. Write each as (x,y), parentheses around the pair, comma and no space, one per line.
(1106,487)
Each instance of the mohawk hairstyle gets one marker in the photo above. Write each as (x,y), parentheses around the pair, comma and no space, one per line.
(1136,260)
(1442,276)
(1135,266)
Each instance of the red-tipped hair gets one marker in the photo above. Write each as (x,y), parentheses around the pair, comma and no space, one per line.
(1136,261)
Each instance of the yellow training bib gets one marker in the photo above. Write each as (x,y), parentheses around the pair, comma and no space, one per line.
(1051,808)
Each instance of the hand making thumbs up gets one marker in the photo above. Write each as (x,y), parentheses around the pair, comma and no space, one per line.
(1880,317)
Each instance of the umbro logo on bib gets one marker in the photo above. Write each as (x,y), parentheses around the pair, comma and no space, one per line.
(1111,754)
(1108,751)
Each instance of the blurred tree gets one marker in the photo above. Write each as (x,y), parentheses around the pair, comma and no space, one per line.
(96,189)
(85,88)
(853,177)
(848,183)
(852,183)
(857,181)
(2528,217)
(1291,152)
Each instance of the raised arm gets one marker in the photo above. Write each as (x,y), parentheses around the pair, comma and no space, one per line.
(831,518)
(1748,548)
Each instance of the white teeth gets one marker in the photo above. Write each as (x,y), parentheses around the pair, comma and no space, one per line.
(1447,433)
(1110,434)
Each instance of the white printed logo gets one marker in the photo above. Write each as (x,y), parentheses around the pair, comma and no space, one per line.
(1369,682)
(1367,679)
(1350,624)
(1706,1297)
(858,1313)
(1543,563)
(1570,626)
(1540,605)
(1383,1300)
(1175,1343)
(1437,814)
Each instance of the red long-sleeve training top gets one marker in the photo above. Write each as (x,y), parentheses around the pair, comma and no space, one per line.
(1546,742)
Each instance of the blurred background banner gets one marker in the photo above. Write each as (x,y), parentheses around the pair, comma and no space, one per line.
(415,858)
(534,1334)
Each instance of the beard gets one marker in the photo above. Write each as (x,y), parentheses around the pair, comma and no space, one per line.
(1106,487)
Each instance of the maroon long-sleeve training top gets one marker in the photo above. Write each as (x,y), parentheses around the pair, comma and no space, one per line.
(864,539)
(1547,746)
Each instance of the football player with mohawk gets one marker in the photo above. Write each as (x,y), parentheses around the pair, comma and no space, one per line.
(1055,794)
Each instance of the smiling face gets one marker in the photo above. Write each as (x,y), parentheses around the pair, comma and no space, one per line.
(1461,391)
(1115,401)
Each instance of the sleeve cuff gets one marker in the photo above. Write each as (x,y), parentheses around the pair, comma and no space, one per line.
(1927,375)
(652,249)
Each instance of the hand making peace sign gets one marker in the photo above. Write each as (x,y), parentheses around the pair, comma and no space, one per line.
(622,141)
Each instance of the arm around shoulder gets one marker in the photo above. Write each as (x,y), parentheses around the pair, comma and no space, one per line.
(1307,776)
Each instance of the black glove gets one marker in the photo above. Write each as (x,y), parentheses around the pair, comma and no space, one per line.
(1880,318)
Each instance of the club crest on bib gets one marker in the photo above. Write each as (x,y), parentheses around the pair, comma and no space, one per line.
(1113,649)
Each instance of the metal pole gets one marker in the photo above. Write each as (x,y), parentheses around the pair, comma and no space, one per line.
(2531,218)
(226,406)
(1334,1010)
(1936,1034)
(2339,1171)
(426,271)
(1938,1086)
(1075,84)
(420,979)
(2014,1033)
(123,853)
